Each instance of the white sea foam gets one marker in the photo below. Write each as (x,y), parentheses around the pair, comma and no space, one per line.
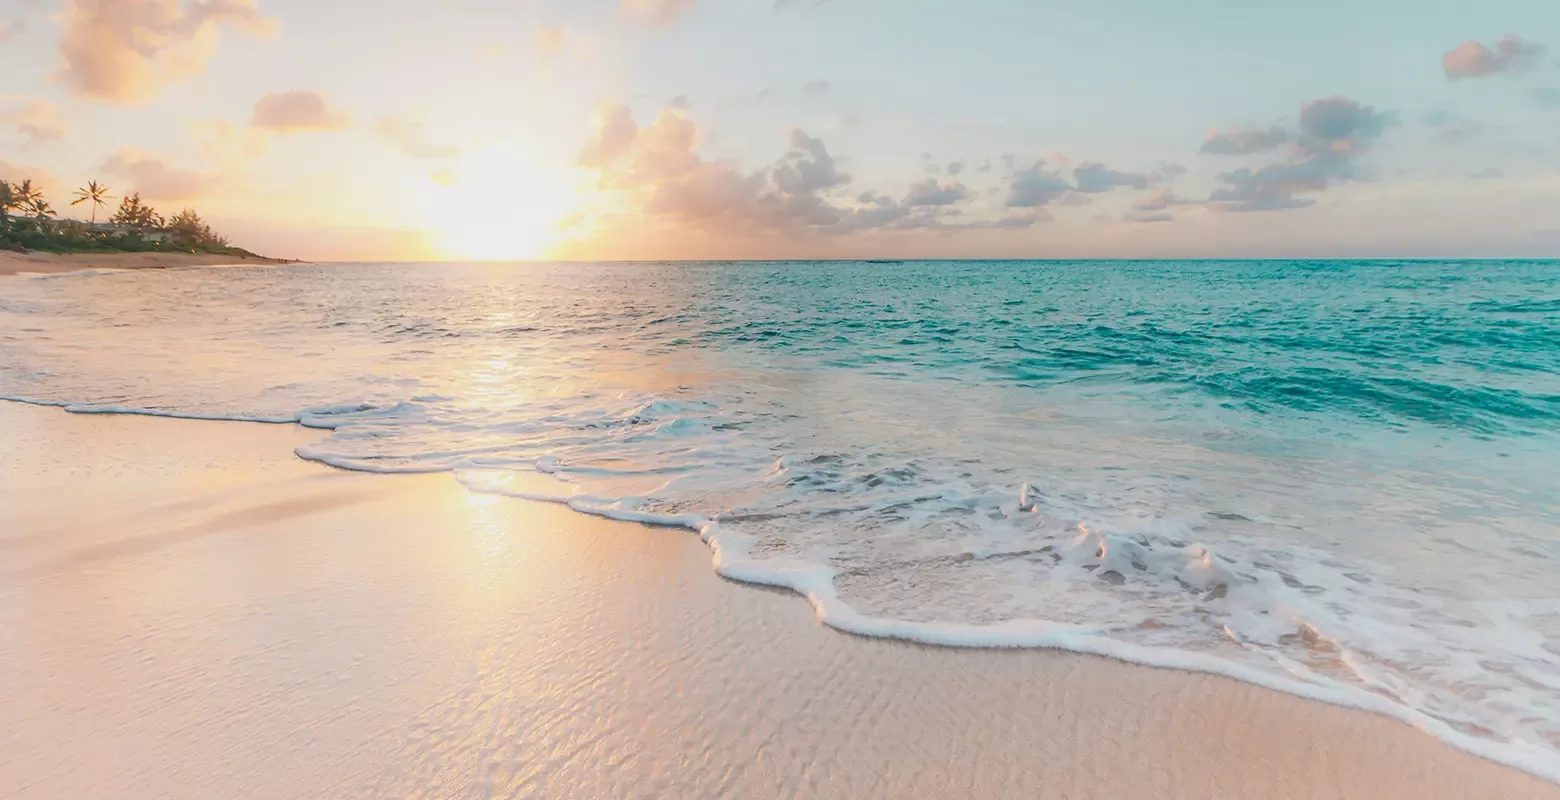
(75,273)
(733,559)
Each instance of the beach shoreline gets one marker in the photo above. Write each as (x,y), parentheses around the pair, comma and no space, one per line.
(13,262)
(212,616)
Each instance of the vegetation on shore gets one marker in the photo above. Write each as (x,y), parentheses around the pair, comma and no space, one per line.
(29,222)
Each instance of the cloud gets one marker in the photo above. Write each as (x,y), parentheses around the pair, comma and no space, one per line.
(1333,133)
(155,178)
(613,137)
(816,88)
(659,173)
(930,193)
(1092,177)
(37,122)
(955,167)
(1476,60)
(660,13)
(1155,207)
(1271,188)
(1025,220)
(1547,96)
(410,136)
(1337,123)
(1035,187)
(808,167)
(1160,200)
(10,30)
(1488,173)
(629,158)
(16,173)
(298,112)
(1243,142)
(680,102)
(123,50)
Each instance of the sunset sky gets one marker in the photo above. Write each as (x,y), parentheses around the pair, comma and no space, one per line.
(657,129)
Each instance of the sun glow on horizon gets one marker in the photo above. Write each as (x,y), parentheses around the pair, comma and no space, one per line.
(497,205)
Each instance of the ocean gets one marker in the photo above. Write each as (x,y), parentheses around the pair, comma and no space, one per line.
(1337,479)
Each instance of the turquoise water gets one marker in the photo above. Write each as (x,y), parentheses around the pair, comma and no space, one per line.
(1335,478)
(1394,344)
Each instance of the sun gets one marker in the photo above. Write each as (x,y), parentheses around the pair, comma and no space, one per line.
(497,205)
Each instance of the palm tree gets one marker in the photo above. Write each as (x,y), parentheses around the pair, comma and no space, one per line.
(92,191)
(24,193)
(41,211)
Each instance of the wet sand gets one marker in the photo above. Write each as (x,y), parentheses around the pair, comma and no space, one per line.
(12,262)
(187,610)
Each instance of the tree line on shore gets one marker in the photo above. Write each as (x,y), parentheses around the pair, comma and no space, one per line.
(29,222)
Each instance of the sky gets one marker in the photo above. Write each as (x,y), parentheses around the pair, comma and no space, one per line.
(734,129)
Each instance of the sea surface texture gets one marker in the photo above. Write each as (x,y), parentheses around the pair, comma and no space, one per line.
(1339,479)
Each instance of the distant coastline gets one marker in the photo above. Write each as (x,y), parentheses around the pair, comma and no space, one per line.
(14,262)
(34,239)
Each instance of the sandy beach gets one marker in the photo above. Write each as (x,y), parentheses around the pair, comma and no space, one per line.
(190,611)
(13,262)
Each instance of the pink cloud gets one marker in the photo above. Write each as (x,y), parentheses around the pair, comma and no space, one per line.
(124,50)
(1477,60)
(673,196)
(37,122)
(16,173)
(155,178)
(612,139)
(297,112)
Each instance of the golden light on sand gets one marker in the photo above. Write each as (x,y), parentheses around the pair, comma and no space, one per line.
(497,205)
